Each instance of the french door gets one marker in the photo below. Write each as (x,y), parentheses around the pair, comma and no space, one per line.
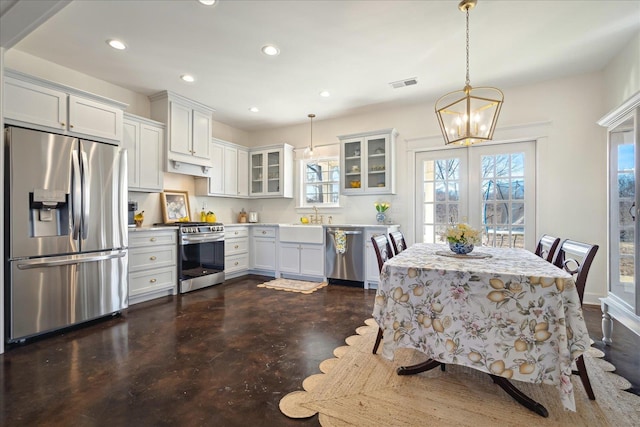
(491,187)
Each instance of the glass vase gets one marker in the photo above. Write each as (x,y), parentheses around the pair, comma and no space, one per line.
(381,217)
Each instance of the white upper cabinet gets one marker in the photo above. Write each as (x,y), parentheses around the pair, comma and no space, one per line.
(228,173)
(368,162)
(189,125)
(271,171)
(39,104)
(144,141)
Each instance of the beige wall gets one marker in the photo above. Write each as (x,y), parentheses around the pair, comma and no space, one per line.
(622,75)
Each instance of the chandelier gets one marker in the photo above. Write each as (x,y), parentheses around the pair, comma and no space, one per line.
(469,115)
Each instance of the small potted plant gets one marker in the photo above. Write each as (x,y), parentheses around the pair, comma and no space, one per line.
(462,238)
(381,208)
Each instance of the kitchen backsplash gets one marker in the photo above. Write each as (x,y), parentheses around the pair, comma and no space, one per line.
(353,210)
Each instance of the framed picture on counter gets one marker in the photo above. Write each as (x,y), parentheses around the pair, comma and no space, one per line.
(175,206)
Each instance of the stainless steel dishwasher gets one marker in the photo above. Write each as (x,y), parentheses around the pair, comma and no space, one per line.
(344,257)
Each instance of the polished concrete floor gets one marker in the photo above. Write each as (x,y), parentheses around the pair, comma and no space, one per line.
(222,356)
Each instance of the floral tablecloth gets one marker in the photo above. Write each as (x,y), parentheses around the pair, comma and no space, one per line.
(512,314)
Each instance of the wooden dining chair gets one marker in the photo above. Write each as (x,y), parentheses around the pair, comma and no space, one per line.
(397,241)
(383,253)
(576,258)
(547,246)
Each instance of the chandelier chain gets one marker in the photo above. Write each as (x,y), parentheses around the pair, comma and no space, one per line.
(468,81)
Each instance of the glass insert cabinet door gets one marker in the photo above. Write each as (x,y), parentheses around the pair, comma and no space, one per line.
(623,297)
(257,173)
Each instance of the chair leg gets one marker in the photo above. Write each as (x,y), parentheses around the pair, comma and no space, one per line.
(582,371)
(378,339)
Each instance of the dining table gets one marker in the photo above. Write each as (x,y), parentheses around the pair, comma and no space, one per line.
(503,311)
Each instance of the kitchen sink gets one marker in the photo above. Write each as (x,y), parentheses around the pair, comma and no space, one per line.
(301,233)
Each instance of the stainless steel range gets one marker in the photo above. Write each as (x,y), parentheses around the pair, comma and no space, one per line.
(200,255)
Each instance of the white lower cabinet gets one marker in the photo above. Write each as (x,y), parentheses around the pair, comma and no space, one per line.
(371,270)
(152,264)
(304,259)
(263,248)
(236,251)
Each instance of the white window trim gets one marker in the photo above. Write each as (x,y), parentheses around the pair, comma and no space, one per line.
(301,199)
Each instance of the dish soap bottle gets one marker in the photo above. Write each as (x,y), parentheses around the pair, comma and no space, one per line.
(203,213)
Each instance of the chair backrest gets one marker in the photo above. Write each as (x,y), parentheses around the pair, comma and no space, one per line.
(397,240)
(382,248)
(547,246)
(576,258)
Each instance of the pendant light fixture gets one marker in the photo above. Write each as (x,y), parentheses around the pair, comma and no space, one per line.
(310,152)
(469,115)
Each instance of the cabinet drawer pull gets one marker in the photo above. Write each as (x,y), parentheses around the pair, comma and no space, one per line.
(236,247)
(153,239)
(152,258)
(152,281)
(236,233)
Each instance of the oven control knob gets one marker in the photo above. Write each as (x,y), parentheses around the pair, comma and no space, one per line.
(212,228)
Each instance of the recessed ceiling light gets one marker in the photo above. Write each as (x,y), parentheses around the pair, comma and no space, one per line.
(188,78)
(325,93)
(254,109)
(208,2)
(116,44)
(270,50)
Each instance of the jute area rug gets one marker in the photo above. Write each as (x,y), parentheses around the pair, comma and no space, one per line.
(293,285)
(358,388)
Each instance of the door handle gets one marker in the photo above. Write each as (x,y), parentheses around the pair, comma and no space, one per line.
(68,260)
(76,203)
(633,217)
(85,195)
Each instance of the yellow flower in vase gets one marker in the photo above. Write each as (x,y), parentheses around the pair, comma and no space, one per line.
(461,238)
(381,208)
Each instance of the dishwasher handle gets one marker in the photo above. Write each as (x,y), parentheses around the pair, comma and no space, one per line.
(332,231)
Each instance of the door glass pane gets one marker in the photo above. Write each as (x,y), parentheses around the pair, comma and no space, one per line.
(503,183)
(441,185)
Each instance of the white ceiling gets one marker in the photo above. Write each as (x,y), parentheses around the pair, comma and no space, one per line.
(353,49)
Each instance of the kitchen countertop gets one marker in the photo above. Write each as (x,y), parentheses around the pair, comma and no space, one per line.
(277,224)
(153,228)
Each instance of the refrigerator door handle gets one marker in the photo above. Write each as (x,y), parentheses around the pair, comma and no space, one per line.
(68,260)
(76,206)
(123,188)
(85,195)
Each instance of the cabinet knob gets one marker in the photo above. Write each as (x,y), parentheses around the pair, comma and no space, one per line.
(236,263)
(152,281)
(236,233)
(153,239)
(62,124)
(264,232)
(71,126)
(152,258)
(236,247)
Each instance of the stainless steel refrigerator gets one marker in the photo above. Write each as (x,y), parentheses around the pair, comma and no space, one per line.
(65,231)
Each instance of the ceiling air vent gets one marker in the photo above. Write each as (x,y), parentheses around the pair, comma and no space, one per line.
(406,82)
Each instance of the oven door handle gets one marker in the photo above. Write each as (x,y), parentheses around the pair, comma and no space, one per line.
(204,239)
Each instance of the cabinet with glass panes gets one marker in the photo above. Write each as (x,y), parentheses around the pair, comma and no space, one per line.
(368,162)
(623,297)
(271,171)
